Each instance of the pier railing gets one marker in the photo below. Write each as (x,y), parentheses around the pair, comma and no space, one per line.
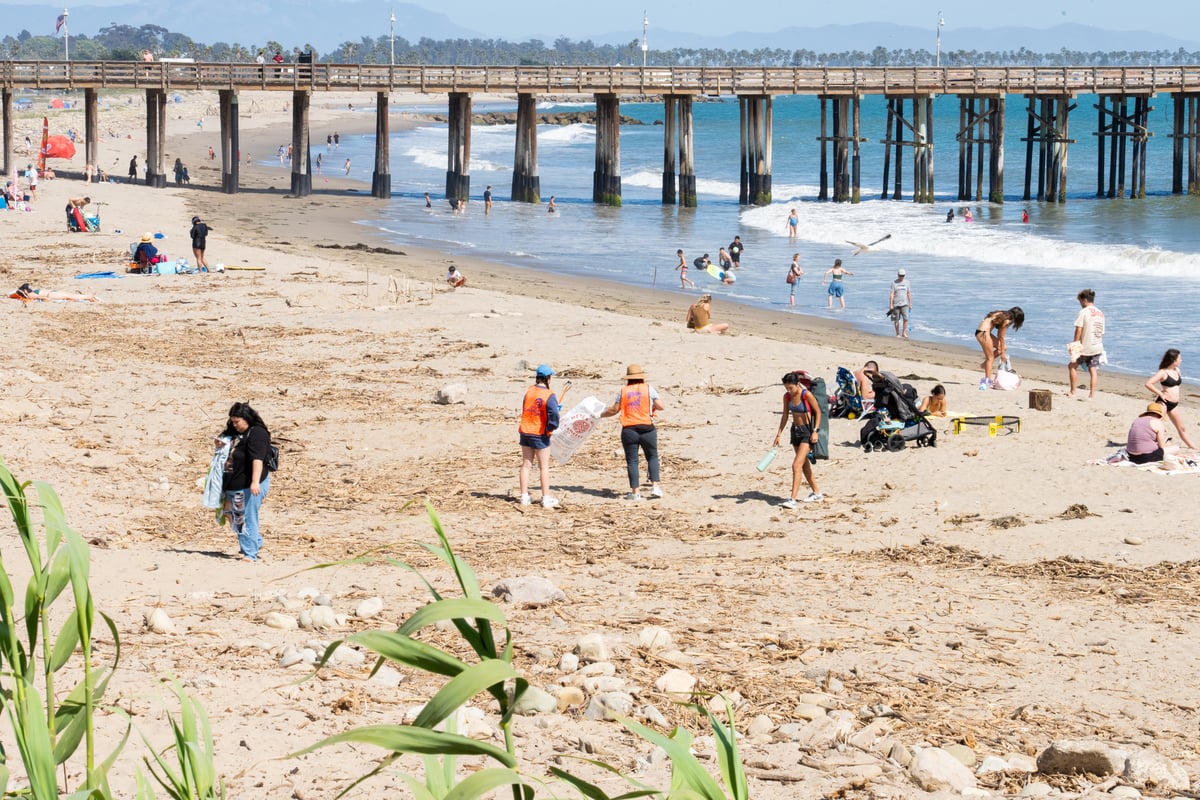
(713,81)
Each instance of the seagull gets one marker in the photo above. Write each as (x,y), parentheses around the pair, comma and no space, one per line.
(859,247)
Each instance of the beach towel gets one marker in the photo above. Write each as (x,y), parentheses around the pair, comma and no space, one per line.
(1169,466)
(214,496)
(87,275)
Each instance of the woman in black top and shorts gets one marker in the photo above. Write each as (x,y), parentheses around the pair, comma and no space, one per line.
(805,413)
(1168,380)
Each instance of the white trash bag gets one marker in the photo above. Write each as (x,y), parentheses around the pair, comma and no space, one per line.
(1007,379)
(574,428)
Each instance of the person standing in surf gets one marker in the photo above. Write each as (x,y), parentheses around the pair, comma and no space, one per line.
(836,289)
(795,273)
(735,252)
(682,268)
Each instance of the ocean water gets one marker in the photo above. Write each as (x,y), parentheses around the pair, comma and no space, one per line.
(1142,257)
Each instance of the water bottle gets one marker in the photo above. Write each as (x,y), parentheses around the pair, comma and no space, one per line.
(767,459)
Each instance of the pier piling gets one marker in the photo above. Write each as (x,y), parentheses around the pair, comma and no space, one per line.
(526,187)
(301,167)
(606,179)
(381,178)
(458,168)
(231,154)
(755,119)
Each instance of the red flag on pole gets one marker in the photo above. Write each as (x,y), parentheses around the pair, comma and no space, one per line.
(58,24)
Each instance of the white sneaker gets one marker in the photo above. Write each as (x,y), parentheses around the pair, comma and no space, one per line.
(813,497)
(791,503)
(525,500)
(549,502)
(656,492)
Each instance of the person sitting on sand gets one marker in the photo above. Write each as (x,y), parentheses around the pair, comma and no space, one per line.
(934,403)
(699,317)
(864,379)
(146,253)
(1147,439)
(455,278)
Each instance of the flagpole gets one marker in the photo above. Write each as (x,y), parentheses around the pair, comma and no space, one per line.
(66,37)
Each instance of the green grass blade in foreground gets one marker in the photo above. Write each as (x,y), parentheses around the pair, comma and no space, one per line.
(407,739)
(460,689)
(418,789)
(33,740)
(594,792)
(467,580)
(410,652)
(480,783)
(730,760)
(451,609)
(687,774)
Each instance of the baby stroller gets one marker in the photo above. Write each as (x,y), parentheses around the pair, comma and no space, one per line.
(895,420)
(847,400)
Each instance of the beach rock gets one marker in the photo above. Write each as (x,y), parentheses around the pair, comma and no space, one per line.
(528,591)
(676,682)
(1068,756)
(347,656)
(964,754)
(933,769)
(1035,790)
(386,676)
(323,617)
(568,663)
(991,765)
(598,668)
(592,647)
(609,706)
(281,621)
(535,701)
(1155,771)
(603,683)
(1133,540)
(158,621)
(809,711)
(826,731)
(818,699)
(654,638)
(323,600)
(369,608)
(1019,762)
(305,619)
(900,754)
(451,394)
(652,715)
(570,697)
(292,656)
(866,738)
(760,725)
(1126,792)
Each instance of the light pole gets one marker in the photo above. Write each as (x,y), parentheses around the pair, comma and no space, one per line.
(392,34)
(940,23)
(62,23)
(645,47)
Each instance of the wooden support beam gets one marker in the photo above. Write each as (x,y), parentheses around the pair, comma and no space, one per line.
(458,166)
(526,186)
(606,180)
(687,156)
(670,114)
(301,167)
(381,177)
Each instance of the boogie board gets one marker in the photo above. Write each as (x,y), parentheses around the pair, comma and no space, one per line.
(80,222)
(719,273)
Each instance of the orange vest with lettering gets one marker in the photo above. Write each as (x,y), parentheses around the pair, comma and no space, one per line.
(636,405)
(533,410)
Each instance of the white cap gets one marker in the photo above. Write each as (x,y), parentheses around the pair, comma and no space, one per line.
(901,272)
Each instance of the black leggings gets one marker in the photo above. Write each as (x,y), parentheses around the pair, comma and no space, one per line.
(645,437)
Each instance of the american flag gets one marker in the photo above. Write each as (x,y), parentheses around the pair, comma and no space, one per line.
(58,23)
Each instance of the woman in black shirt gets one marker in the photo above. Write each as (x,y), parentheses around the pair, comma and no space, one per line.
(246,479)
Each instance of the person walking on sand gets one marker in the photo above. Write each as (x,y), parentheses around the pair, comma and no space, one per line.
(990,335)
(637,403)
(795,273)
(682,268)
(1164,385)
(539,419)
(735,252)
(792,224)
(31,175)
(899,303)
(836,288)
(805,413)
(199,234)
(247,479)
(1087,348)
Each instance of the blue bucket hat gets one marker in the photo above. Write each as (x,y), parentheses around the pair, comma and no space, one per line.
(544,371)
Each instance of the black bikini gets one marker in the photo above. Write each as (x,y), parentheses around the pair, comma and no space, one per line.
(1169,381)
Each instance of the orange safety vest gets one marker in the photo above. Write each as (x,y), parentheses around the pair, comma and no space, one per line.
(533,410)
(636,405)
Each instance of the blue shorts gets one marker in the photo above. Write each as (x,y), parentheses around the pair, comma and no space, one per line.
(836,289)
(537,442)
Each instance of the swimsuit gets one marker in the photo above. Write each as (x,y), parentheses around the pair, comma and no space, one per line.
(1168,381)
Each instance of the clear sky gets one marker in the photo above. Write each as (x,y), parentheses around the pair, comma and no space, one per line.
(581,19)
(516,19)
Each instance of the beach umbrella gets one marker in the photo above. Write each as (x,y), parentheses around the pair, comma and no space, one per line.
(58,147)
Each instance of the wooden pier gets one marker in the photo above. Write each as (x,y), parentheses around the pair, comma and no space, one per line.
(1123,111)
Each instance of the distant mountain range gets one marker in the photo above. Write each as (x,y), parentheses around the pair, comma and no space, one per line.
(327,24)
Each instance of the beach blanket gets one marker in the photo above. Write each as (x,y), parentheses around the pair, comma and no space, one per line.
(1178,466)
(85,275)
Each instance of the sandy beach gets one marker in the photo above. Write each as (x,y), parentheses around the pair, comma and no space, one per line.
(992,594)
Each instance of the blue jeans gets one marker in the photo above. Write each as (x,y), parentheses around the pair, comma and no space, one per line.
(243,517)
(631,440)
